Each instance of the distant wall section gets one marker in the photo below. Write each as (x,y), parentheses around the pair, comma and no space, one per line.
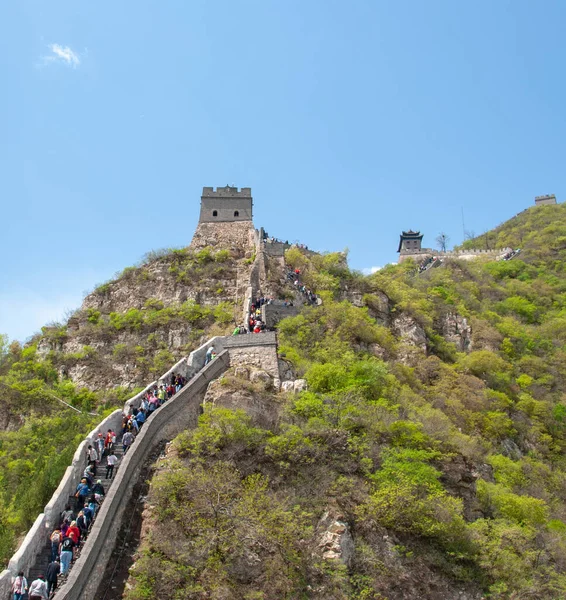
(461,254)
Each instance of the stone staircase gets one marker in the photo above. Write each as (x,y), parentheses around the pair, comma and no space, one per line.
(179,413)
(44,558)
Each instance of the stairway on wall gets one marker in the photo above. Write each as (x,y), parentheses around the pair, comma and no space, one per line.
(44,558)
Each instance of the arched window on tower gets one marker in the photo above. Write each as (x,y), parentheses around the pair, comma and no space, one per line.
(236,213)
(214,213)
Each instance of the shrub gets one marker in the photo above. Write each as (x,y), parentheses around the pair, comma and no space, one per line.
(408,497)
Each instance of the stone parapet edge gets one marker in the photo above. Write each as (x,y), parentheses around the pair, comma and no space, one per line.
(170,419)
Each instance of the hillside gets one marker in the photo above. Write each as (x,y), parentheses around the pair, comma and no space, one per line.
(539,231)
(426,459)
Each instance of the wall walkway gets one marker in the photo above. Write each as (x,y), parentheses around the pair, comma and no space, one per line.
(179,413)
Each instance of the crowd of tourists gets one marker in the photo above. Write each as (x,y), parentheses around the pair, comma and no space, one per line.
(77,518)
(310,297)
(511,254)
(75,521)
(155,397)
(427,263)
(273,240)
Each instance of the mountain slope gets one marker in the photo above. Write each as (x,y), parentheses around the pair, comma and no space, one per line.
(426,459)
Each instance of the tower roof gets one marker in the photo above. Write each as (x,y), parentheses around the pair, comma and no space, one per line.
(409,235)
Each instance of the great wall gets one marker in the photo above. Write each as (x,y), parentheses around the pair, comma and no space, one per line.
(225,218)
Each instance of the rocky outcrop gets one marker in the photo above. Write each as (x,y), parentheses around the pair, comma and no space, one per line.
(459,477)
(379,306)
(239,236)
(335,540)
(409,330)
(456,329)
(260,405)
(295,387)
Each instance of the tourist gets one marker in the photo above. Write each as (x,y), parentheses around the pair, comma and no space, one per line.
(127,440)
(38,589)
(208,356)
(88,512)
(51,576)
(134,425)
(67,547)
(111,460)
(100,445)
(108,443)
(65,529)
(98,491)
(89,475)
(81,494)
(20,587)
(74,532)
(55,538)
(91,456)
(82,525)
(140,418)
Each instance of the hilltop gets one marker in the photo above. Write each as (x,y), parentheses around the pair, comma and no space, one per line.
(539,231)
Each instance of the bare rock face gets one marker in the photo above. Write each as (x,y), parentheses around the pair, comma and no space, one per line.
(242,372)
(259,376)
(457,330)
(459,477)
(410,331)
(239,236)
(294,387)
(286,370)
(355,297)
(287,386)
(261,406)
(378,306)
(335,540)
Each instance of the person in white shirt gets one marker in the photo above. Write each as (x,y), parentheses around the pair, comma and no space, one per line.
(111,460)
(38,589)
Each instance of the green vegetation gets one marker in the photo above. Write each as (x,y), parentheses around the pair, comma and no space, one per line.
(33,457)
(384,436)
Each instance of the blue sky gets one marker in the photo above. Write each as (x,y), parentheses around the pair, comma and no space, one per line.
(350,121)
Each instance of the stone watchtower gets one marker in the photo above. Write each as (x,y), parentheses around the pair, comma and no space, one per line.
(410,241)
(542,200)
(226,204)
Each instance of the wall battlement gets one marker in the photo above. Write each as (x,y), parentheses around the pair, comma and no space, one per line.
(460,254)
(226,192)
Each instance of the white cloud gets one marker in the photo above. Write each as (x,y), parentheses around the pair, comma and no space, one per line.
(371,270)
(62,54)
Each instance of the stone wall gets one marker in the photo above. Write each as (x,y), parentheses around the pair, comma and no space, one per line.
(543,200)
(180,413)
(423,253)
(273,313)
(189,366)
(37,536)
(275,248)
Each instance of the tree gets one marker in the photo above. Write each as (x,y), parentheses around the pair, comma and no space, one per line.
(442,241)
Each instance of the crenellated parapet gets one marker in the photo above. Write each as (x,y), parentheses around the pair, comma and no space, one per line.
(459,254)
